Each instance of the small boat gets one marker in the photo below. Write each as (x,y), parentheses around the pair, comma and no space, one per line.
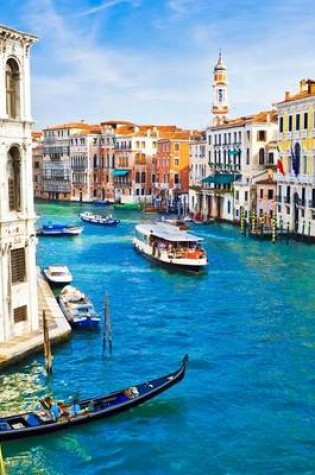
(102,202)
(108,220)
(58,275)
(167,244)
(27,424)
(78,308)
(127,206)
(55,230)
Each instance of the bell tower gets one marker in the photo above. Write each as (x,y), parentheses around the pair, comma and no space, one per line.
(18,280)
(220,108)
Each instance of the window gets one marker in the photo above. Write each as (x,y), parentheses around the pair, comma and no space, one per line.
(12,88)
(297,122)
(261,135)
(305,120)
(14,179)
(176,179)
(20,314)
(18,265)
(247,156)
(270,158)
(261,194)
(290,123)
(246,196)
(176,162)
(270,194)
(261,156)
(281,124)
(176,147)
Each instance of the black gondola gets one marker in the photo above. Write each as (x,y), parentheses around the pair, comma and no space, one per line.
(32,423)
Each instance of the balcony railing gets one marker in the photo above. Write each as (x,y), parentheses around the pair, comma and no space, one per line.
(122,184)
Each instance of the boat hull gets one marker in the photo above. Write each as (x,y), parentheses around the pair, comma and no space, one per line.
(163,258)
(103,407)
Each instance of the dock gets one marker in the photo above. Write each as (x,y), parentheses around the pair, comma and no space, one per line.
(19,347)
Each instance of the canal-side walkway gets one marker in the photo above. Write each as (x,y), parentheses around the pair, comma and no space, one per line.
(19,347)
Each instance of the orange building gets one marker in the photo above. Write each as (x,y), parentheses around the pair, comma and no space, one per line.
(172,166)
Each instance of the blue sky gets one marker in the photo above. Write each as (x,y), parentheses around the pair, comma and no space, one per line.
(151,61)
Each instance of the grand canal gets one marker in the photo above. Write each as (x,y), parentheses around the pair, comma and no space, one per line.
(247,404)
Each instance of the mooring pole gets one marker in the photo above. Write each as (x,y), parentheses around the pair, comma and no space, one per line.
(2,465)
(107,327)
(47,348)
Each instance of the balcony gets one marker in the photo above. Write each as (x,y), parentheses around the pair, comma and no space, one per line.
(125,184)
(311,204)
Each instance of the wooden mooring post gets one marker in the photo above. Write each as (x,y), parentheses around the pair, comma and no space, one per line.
(2,464)
(107,328)
(47,348)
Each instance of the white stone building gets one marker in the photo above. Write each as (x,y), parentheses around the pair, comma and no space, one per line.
(198,169)
(240,151)
(18,287)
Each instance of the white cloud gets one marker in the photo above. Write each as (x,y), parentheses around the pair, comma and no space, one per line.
(105,6)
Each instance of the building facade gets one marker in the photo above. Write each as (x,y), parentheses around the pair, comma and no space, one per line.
(56,177)
(296,167)
(37,155)
(18,286)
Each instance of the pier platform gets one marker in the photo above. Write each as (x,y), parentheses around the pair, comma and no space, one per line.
(19,347)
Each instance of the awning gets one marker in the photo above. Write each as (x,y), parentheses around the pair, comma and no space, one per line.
(120,172)
(221,179)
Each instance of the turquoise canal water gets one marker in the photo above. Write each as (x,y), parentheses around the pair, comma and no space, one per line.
(247,404)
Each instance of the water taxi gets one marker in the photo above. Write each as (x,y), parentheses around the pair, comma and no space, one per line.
(168,244)
(78,308)
(55,230)
(108,220)
(58,275)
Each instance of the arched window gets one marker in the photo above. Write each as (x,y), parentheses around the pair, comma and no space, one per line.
(143,177)
(14,179)
(137,177)
(12,88)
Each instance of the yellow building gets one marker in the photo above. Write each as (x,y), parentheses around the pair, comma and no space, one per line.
(296,167)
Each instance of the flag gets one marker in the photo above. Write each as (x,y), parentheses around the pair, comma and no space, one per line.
(280,167)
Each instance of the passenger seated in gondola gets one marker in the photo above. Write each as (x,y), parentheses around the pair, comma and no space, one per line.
(63,409)
(132,392)
(55,411)
(75,409)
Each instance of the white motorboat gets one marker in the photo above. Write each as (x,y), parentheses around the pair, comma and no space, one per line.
(108,220)
(169,245)
(58,275)
(78,308)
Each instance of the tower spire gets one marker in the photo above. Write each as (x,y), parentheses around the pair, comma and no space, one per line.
(220,107)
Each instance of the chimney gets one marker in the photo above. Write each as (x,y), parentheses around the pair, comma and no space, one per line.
(303,85)
(287,95)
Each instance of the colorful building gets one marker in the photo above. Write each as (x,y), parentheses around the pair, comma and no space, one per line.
(296,167)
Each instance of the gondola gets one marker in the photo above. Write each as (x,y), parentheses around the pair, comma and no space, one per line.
(33,423)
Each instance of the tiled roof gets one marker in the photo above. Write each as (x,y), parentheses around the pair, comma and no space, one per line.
(264,116)
(71,125)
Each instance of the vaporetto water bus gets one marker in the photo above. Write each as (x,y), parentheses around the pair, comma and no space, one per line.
(167,244)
